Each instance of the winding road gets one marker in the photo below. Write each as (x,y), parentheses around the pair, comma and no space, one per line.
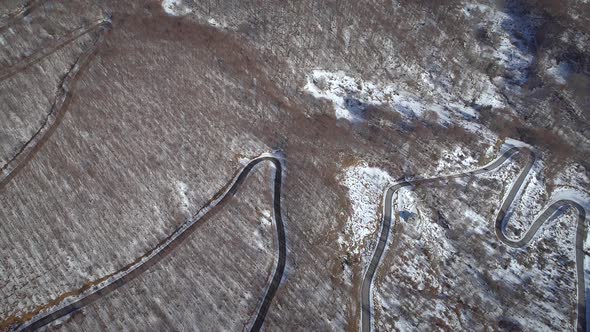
(98,289)
(550,212)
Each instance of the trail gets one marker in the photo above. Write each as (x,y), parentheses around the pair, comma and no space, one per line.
(56,112)
(44,52)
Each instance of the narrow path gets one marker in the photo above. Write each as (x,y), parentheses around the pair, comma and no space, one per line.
(56,112)
(551,212)
(100,288)
(43,52)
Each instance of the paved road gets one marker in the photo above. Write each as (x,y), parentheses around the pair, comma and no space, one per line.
(550,212)
(166,246)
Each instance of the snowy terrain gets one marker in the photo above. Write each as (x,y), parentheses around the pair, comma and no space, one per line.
(510,32)
(446,265)
(356,94)
(175,7)
(574,176)
(182,191)
(365,191)
(181,8)
(456,160)
(350,96)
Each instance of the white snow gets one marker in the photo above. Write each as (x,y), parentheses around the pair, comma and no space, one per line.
(411,209)
(259,239)
(510,143)
(489,97)
(453,160)
(470,8)
(533,197)
(417,271)
(505,173)
(573,195)
(528,203)
(573,175)
(181,191)
(534,268)
(175,7)
(559,72)
(406,202)
(216,23)
(477,221)
(182,8)
(265,218)
(507,51)
(350,96)
(365,190)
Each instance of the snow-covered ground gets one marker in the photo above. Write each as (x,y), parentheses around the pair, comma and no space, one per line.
(182,8)
(455,160)
(510,32)
(175,7)
(182,194)
(351,95)
(529,204)
(571,183)
(544,270)
(559,72)
(433,265)
(366,186)
(574,176)
(264,230)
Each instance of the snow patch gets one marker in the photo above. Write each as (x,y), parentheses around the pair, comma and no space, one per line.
(265,218)
(574,175)
(264,228)
(182,191)
(511,143)
(453,160)
(216,23)
(365,189)
(406,203)
(175,7)
(573,195)
(560,72)
(351,96)
(509,51)
(489,97)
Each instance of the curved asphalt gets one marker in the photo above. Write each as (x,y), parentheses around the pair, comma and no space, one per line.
(151,258)
(502,218)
